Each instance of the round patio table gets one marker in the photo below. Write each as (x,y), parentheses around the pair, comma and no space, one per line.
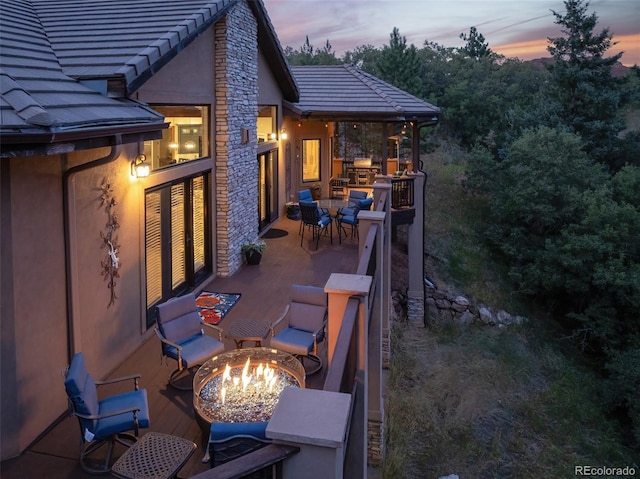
(248,329)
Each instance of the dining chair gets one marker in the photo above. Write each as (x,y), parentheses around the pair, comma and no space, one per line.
(307,197)
(313,219)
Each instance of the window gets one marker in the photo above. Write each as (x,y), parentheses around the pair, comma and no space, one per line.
(311,160)
(267,125)
(186,139)
(177,239)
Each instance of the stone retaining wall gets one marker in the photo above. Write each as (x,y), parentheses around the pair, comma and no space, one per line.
(443,306)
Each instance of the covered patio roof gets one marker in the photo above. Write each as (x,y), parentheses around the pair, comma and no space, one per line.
(346,93)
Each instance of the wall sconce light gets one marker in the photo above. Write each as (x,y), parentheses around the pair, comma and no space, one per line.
(273,136)
(283,134)
(139,167)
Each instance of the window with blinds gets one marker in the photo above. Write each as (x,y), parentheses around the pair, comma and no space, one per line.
(199,224)
(176,239)
(153,247)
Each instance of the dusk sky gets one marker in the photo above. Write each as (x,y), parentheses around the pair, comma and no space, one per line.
(512,28)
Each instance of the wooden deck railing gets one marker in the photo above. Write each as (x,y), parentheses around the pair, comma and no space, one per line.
(341,377)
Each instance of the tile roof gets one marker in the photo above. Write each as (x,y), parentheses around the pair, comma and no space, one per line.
(122,38)
(52,51)
(37,97)
(331,92)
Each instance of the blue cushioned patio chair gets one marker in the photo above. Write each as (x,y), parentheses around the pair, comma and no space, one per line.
(312,218)
(350,220)
(182,336)
(349,216)
(307,197)
(305,319)
(230,440)
(107,421)
(359,199)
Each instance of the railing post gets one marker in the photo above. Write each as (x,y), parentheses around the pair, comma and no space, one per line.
(340,287)
(415,293)
(317,422)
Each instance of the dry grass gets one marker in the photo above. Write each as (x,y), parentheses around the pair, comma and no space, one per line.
(486,403)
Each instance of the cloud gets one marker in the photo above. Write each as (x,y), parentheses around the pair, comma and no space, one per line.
(349,24)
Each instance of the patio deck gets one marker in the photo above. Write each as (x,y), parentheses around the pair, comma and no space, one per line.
(264,290)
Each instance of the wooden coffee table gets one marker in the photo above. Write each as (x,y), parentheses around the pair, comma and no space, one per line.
(247,329)
(154,456)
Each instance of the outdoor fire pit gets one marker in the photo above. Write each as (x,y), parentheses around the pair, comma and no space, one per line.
(243,385)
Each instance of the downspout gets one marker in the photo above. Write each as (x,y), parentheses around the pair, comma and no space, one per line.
(418,165)
(67,177)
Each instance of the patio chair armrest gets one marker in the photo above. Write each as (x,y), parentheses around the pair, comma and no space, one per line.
(91,417)
(319,330)
(167,342)
(134,377)
(279,320)
(218,329)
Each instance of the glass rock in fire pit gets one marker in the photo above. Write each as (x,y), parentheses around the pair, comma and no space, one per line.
(243,385)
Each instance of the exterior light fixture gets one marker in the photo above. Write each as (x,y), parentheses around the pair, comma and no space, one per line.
(283,134)
(273,136)
(139,167)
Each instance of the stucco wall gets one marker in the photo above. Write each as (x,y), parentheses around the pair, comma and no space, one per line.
(34,347)
(106,333)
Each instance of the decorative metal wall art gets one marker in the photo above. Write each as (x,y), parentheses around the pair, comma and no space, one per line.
(111,263)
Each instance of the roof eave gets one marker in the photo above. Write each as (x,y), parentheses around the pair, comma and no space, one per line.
(43,143)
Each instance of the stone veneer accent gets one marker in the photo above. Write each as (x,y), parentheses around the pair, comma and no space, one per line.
(415,310)
(236,108)
(374,442)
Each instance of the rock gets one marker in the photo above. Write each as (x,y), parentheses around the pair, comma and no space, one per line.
(519,320)
(466,318)
(461,300)
(486,316)
(458,307)
(504,318)
(443,304)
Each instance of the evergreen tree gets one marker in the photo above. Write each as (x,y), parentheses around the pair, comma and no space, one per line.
(587,94)
(399,65)
(476,46)
(307,55)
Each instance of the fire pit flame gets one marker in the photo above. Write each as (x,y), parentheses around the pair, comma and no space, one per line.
(262,377)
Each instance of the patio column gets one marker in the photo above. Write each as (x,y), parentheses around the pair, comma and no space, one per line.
(415,294)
